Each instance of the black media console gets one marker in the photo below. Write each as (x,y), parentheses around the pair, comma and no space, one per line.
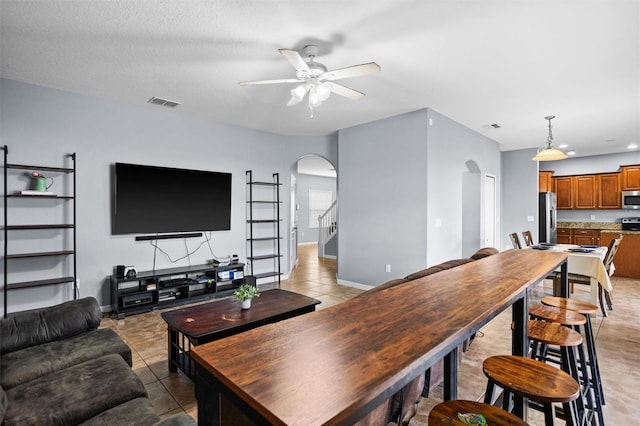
(162,288)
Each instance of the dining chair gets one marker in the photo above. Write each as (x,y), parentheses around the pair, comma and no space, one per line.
(515,240)
(528,239)
(608,262)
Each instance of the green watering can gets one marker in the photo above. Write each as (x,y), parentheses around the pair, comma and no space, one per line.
(40,182)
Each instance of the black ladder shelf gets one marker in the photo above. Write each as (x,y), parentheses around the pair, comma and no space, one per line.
(263,227)
(7,228)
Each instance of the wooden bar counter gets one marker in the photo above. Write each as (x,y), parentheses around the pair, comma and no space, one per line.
(336,365)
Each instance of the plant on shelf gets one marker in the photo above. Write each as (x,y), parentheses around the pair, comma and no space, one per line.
(245,293)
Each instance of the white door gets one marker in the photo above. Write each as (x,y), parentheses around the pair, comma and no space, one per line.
(490,210)
(293,214)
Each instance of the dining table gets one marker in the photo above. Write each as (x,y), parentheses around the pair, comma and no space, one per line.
(336,365)
(586,260)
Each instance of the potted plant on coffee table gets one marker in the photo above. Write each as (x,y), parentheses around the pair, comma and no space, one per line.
(245,293)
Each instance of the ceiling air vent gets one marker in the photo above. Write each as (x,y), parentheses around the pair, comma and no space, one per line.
(163,102)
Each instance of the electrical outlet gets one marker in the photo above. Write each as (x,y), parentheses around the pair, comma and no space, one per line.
(593,217)
(387,267)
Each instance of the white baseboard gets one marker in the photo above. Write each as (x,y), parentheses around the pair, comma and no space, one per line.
(355,285)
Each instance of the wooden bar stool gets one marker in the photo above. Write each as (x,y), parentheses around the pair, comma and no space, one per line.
(542,335)
(593,378)
(446,413)
(532,379)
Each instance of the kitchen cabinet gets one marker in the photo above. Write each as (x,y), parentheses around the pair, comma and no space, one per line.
(626,258)
(563,236)
(608,192)
(545,181)
(588,192)
(630,177)
(578,236)
(564,192)
(585,236)
(584,192)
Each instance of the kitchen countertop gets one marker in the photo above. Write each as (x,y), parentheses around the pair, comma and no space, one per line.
(608,227)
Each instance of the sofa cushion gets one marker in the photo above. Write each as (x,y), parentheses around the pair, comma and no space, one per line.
(3,404)
(75,394)
(137,412)
(57,322)
(484,252)
(181,419)
(437,268)
(36,361)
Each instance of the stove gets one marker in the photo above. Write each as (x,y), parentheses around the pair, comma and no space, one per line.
(631,223)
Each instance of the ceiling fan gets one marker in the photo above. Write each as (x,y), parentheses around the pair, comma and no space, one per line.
(314,79)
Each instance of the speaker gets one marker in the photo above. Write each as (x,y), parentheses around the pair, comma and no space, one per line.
(119,271)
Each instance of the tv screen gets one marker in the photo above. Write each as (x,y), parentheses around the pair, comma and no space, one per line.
(149,199)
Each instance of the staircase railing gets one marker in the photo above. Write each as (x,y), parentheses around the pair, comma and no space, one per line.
(327,226)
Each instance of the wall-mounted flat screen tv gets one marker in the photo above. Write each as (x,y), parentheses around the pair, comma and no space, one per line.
(149,199)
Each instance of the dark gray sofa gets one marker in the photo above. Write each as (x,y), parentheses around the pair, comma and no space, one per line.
(57,367)
(403,405)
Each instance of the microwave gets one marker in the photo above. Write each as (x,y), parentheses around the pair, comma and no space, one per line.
(631,199)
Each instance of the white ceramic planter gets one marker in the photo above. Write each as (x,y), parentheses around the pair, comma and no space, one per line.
(246,304)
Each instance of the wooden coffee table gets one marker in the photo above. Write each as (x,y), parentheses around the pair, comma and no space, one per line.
(204,323)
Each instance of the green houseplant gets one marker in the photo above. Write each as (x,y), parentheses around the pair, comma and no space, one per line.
(245,293)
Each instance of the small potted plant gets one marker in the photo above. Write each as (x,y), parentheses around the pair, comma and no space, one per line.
(245,293)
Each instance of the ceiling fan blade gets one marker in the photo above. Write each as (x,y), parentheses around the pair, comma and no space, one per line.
(294,101)
(282,80)
(353,71)
(341,90)
(295,59)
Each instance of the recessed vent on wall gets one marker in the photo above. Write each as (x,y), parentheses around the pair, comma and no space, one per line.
(163,102)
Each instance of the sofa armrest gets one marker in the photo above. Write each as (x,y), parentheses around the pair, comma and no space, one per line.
(30,328)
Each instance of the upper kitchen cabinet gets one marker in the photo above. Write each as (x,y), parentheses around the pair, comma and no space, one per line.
(545,181)
(584,192)
(630,177)
(564,192)
(609,191)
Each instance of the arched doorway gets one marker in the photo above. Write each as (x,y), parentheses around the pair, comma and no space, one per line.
(313,191)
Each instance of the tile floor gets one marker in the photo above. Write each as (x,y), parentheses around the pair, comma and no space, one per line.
(617,341)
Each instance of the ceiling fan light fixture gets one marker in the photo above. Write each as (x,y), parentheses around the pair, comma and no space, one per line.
(323,91)
(299,92)
(549,153)
(314,97)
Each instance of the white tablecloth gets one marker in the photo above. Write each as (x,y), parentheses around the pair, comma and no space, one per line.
(589,264)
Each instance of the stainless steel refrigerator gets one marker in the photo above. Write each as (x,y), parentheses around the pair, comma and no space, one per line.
(547,230)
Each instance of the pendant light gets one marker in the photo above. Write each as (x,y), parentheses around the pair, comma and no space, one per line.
(549,153)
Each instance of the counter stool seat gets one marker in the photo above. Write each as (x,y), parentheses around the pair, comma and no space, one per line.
(551,333)
(447,413)
(584,308)
(532,379)
(557,315)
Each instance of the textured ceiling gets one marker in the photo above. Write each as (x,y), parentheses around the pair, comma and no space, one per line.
(508,62)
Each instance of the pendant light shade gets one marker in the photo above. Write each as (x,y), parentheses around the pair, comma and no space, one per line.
(549,153)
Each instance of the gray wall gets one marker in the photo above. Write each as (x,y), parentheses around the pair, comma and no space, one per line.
(455,152)
(592,164)
(41,125)
(400,194)
(519,194)
(306,182)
